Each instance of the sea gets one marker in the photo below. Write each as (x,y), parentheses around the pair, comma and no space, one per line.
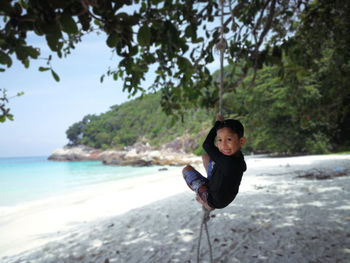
(26,179)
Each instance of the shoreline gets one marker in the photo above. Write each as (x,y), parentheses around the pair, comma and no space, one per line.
(55,179)
(65,211)
(158,227)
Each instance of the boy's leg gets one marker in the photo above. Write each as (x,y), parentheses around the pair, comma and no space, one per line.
(202,197)
(196,182)
(193,178)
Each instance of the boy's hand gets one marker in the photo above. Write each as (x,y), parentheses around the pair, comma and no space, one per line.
(219,117)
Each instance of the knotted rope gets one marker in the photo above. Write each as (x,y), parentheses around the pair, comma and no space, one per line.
(205,219)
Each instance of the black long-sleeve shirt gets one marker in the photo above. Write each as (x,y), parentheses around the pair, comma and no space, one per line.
(227,173)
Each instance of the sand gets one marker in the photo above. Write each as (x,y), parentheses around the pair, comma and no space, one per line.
(282,214)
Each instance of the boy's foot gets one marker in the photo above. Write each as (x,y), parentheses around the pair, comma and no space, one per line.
(202,197)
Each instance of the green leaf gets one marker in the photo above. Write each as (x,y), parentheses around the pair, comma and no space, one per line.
(133,50)
(5,59)
(26,63)
(149,58)
(112,40)
(188,31)
(156,2)
(50,28)
(144,36)
(21,53)
(198,40)
(115,76)
(68,24)
(55,76)
(32,52)
(52,41)
(43,69)
(10,117)
(97,23)
(184,64)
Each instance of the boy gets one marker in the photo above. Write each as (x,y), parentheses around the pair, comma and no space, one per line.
(224,164)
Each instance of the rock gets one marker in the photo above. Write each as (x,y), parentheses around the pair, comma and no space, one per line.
(139,147)
(77,153)
(139,154)
(184,144)
(135,162)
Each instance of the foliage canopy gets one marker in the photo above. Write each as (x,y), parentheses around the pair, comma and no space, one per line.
(178,37)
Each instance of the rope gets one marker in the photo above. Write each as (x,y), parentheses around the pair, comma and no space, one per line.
(205,219)
(221,46)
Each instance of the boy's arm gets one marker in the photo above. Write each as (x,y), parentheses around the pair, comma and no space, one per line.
(209,145)
(209,142)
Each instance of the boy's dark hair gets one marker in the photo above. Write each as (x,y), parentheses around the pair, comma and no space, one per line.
(235,125)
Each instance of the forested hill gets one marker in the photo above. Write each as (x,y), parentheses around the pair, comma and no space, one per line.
(295,114)
(138,120)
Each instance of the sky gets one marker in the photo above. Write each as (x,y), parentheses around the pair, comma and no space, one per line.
(48,108)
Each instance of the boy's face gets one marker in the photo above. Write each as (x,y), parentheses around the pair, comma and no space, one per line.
(228,141)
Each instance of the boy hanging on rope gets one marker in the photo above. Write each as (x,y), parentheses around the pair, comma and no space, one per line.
(224,163)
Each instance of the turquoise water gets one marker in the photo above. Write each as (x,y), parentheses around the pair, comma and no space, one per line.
(34,178)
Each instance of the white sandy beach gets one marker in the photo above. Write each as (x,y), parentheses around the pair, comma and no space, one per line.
(277,217)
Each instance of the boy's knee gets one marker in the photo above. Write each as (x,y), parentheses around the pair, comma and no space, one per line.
(187,168)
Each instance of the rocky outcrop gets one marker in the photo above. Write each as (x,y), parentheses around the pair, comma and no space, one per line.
(77,153)
(140,154)
(184,144)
